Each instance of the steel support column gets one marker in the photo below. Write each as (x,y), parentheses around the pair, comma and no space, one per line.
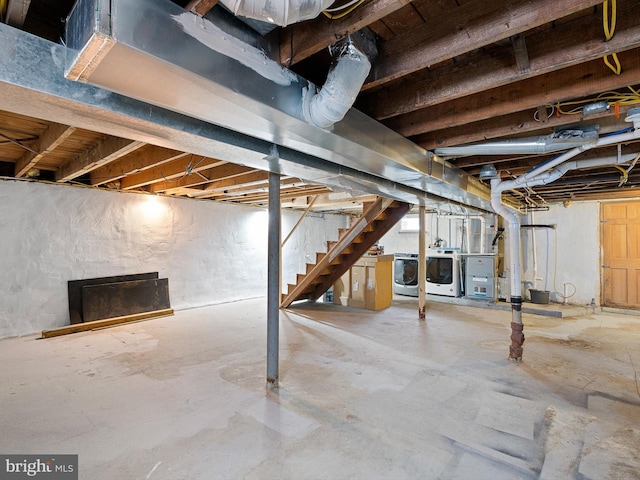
(273,281)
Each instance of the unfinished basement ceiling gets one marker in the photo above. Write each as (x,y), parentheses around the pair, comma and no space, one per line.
(448,73)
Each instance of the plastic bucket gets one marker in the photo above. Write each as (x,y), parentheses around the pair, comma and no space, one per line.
(539,296)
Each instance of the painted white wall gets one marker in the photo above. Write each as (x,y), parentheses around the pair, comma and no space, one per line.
(575,240)
(568,254)
(210,252)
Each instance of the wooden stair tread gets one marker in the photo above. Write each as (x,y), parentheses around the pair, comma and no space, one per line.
(352,243)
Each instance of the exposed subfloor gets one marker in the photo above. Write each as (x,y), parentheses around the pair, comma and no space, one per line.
(364,395)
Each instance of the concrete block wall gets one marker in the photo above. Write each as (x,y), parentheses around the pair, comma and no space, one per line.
(211,252)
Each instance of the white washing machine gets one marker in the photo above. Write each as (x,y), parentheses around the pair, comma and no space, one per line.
(444,276)
(405,274)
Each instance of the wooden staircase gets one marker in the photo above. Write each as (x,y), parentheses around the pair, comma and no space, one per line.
(352,243)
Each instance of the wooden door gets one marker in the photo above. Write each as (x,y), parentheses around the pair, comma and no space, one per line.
(621,254)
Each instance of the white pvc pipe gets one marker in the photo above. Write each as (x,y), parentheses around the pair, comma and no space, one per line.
(465,225)
(535,253)
(278,12)
(523,180)
(483,226)
(483,229)
(513,239)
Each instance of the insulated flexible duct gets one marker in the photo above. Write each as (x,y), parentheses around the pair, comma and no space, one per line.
(278,12)
(348,72)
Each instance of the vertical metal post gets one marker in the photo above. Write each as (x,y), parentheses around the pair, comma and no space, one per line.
(273,281)
(422,264)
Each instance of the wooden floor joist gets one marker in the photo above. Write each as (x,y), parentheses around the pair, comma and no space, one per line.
(107,322)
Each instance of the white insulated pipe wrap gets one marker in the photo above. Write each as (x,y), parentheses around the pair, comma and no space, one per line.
(278,12)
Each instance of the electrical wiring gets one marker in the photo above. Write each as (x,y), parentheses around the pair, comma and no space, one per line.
(342,7)
(609,30)
(536,115)
(348,8)
(611,97)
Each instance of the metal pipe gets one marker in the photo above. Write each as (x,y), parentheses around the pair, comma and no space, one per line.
(554,142)
(422,264)
(561,159)
(541,176)
(273,281)
(513,240)
(280,12)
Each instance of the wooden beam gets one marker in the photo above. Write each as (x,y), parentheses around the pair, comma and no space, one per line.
(17,12)
(229,170)
(518,124)
(519,45)
(571,43)
(108,322)
(140,160)
(299,41)
(50,139)
(567,84)
(473,25)
(170,170)
(201,7)
(106,151)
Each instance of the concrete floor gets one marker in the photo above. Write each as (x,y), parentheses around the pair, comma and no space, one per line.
(364,395)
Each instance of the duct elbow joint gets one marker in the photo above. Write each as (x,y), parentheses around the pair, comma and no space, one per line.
(350,69)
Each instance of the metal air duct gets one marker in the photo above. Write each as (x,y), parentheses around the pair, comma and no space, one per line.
(155,52)
(557,141)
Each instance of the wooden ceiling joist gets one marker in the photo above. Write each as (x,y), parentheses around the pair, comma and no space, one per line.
(299,42)
(169,171)
(106,151)
(251,179)
(206,177)
(475,24)
(201,7)
(571,83)
(140,160)
(548,50)
(50,139)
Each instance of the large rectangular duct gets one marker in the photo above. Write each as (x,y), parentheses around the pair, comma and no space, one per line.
(154,51)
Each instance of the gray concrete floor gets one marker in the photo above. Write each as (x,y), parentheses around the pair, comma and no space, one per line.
(364,395)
